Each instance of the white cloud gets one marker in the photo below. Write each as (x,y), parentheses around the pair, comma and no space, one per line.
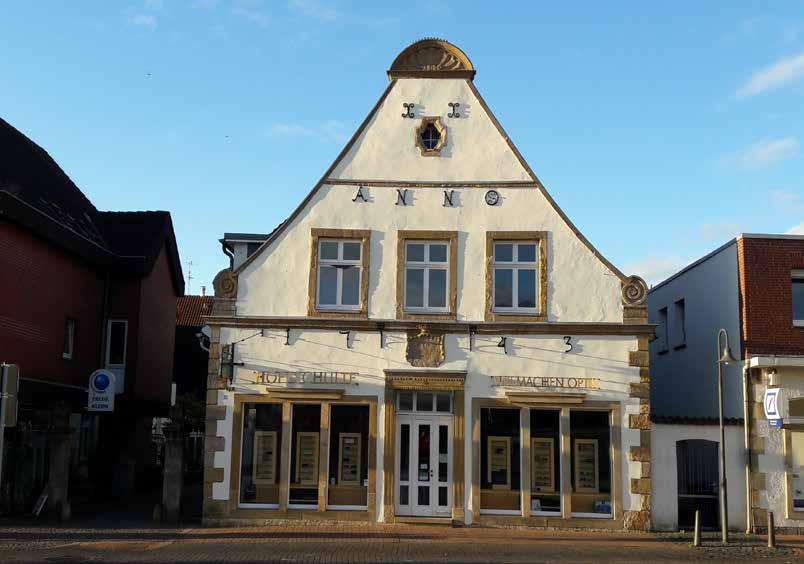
(331,131)
(656,268)
(314,9)
(773,76)
(252,12)
(797,230)
(764,153)
(786,201)
(145,21)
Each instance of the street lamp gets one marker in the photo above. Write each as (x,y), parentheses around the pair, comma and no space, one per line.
(725,358)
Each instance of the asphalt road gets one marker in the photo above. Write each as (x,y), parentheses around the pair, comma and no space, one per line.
(317,542)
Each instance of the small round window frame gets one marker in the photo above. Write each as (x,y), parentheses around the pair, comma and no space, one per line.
(442,131)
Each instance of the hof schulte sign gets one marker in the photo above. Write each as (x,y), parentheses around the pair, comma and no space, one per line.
(545,382)
(325,378)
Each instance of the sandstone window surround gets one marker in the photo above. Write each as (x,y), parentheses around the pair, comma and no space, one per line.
(427,272)
(339,273)
(516,260)
(431,136)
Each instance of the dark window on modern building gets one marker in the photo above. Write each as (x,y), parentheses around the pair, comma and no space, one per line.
(798,298)
(679,324)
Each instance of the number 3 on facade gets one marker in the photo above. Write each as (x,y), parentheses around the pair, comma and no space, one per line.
(568,342)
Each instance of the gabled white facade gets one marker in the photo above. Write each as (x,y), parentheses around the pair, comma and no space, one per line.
(582,356)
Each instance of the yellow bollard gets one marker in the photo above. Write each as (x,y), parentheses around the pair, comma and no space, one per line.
(771,531)
(696,539)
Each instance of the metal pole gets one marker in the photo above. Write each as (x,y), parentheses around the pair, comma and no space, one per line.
(724,516)
(771,531)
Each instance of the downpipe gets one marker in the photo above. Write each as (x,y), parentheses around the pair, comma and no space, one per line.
(749,525)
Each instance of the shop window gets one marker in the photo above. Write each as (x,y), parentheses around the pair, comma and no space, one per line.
(545,461)
(304,455)
(261,454)
(339,266)
(426,276)
(499,460)
(515,277)
(424,402)
(348,456)
(797,472)
(590,462)
(69,339)
(798,297)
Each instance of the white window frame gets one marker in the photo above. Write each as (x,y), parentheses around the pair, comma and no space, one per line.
(427,266)
(68,346)
(339,262)
(515,265)
(109,342)
(796,276)
(415,404)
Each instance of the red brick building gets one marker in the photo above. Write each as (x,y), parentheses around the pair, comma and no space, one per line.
(80,289)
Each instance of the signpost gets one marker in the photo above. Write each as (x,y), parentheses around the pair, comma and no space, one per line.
(101,391)
(771,405)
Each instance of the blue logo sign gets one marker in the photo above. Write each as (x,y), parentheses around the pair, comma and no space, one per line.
(101,382)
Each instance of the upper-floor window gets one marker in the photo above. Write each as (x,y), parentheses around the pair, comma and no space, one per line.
(69,339)
(515,269)
(798,298)
(339,272)
(339,268)
(679,324)
(661,331)
(426,273)
(116,335)
(515,275)
(426,276)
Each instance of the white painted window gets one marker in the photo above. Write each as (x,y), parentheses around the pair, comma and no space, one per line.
(69,339)
(116,338)
(798,297)
(339,272)
(426,276)
(515,277)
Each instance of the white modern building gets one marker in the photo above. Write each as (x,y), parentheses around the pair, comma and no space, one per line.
(428,336)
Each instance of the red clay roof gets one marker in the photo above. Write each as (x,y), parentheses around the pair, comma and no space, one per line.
(189,310)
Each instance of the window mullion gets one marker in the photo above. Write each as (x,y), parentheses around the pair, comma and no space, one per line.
(426,288)
(338,286)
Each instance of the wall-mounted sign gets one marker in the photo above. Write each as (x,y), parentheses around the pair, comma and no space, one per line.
(327,378)
(101,391)
(771,405)
(544,382)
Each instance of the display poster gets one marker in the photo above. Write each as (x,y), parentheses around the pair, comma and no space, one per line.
(499,462)
(350,459)
(307,458)
(264,467)
(542,465)
(586,466)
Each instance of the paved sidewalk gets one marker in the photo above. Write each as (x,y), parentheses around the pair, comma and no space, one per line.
(329,542)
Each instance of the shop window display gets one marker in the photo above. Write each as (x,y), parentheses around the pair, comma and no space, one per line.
(304,455)
(348,456)
(260,453)
(545,463)
(500,459)
(590,436)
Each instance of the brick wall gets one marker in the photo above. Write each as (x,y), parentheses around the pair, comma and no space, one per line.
(766,295)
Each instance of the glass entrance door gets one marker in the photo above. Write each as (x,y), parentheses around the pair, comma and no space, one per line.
(424,465)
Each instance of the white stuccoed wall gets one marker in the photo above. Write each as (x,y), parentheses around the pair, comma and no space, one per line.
(581,288)
(664,471)
(772,462)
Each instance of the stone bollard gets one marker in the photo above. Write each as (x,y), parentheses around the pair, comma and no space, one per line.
(696,538)
(771,531)
(173,473)
(59,465)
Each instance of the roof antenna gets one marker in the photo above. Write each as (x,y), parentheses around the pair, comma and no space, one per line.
(189,275)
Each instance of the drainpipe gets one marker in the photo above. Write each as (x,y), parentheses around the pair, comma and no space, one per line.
(229,254)
(749,526)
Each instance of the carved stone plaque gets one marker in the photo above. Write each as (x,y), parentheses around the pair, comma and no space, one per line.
(425,349)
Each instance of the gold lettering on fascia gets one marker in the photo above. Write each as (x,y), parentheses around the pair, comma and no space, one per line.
(314,378)
(545,382)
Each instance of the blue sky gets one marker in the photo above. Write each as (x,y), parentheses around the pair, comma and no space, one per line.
(661,128)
